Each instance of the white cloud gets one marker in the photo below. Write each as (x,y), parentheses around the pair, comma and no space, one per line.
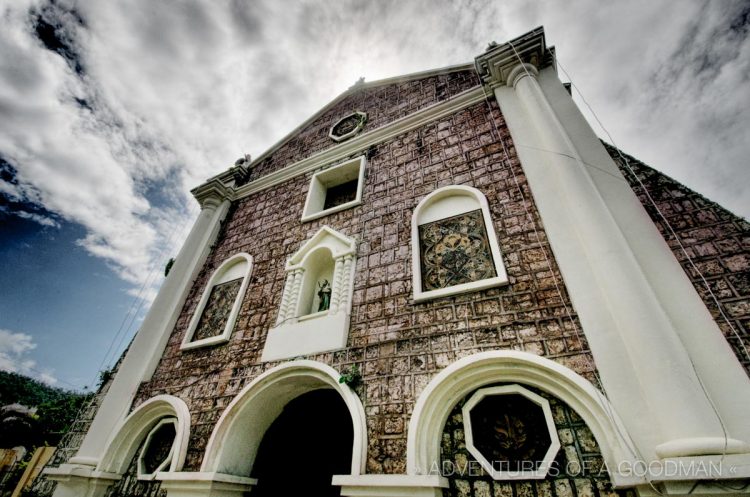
(38,218)
(168,96)
(14,351)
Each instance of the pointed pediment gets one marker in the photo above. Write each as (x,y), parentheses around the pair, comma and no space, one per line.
(329,238)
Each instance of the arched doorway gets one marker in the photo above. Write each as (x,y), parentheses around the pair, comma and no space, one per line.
(309,442)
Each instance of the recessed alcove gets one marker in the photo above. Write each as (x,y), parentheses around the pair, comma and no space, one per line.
(319,267)
(316,301)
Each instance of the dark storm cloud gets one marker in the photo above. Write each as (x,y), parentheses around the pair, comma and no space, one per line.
(112,111)
(55,25)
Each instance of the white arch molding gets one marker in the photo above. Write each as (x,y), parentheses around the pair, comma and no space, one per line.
(509,366)
(239,265)
(234,442)
(443,203)
(134,429)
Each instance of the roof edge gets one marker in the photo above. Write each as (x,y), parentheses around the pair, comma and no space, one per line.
(355,88)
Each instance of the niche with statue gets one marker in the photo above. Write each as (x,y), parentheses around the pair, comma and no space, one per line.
(316,303)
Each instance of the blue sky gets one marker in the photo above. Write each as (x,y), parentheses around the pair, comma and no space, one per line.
(111,111)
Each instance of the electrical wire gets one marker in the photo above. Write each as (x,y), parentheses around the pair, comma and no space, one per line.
(674,234)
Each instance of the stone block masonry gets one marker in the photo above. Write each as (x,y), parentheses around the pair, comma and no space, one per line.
(398,345)
(717,242)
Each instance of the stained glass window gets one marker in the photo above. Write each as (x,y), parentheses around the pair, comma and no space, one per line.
(217,309)
(455,250)
(159,446)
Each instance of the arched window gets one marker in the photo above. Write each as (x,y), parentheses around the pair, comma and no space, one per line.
(315,306)
(454,246)
(217,310)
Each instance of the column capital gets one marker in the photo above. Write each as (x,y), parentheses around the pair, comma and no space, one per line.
(503,64)
(212,193)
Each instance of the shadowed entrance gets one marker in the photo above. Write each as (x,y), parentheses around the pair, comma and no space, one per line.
(309,442)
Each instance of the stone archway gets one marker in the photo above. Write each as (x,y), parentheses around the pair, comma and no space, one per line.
(308,443)
(234,443)
(459,379)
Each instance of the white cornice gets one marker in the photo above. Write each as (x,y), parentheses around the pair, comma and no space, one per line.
(363,141)
(496,65)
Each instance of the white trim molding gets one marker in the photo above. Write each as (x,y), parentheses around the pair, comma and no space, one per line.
(143,473)
(238,266)
(330,177)
(139,424)
(362,120)
(466,375)
(75,479)
(234,442)
(361,142)
(391,485)
(522,474)
(443,203)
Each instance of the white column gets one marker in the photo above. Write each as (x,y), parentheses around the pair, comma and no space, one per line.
(337,284)
(663,371)
(347,280)
(294,293)
(148,345)
(285,296)
(639,351)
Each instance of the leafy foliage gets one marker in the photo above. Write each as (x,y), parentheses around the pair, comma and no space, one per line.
(56,411)
(16,388)
(352,378)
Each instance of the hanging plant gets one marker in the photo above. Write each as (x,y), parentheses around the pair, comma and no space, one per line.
(352,378)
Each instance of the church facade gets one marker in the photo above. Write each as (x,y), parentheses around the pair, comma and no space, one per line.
(441,284)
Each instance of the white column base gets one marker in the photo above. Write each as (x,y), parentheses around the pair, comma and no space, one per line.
(75,480)
(391,485)
(686,447)
(188,484)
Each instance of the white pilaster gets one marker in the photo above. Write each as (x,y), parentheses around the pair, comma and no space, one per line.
(148,345)
(626,285)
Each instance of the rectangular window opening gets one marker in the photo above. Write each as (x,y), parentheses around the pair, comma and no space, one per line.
(341,194)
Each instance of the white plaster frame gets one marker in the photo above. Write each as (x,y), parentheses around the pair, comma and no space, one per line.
(346,136)
(549,456)
(476,200)
(222,274)
(234,442)
(142,473)
(140,424)
(296,334)
(466,375)
(330,177)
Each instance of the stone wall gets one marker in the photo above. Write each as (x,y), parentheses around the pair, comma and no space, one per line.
(717,242)
(397,344)
(383,105)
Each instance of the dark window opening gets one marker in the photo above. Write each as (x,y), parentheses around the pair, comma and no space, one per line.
(341,194)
